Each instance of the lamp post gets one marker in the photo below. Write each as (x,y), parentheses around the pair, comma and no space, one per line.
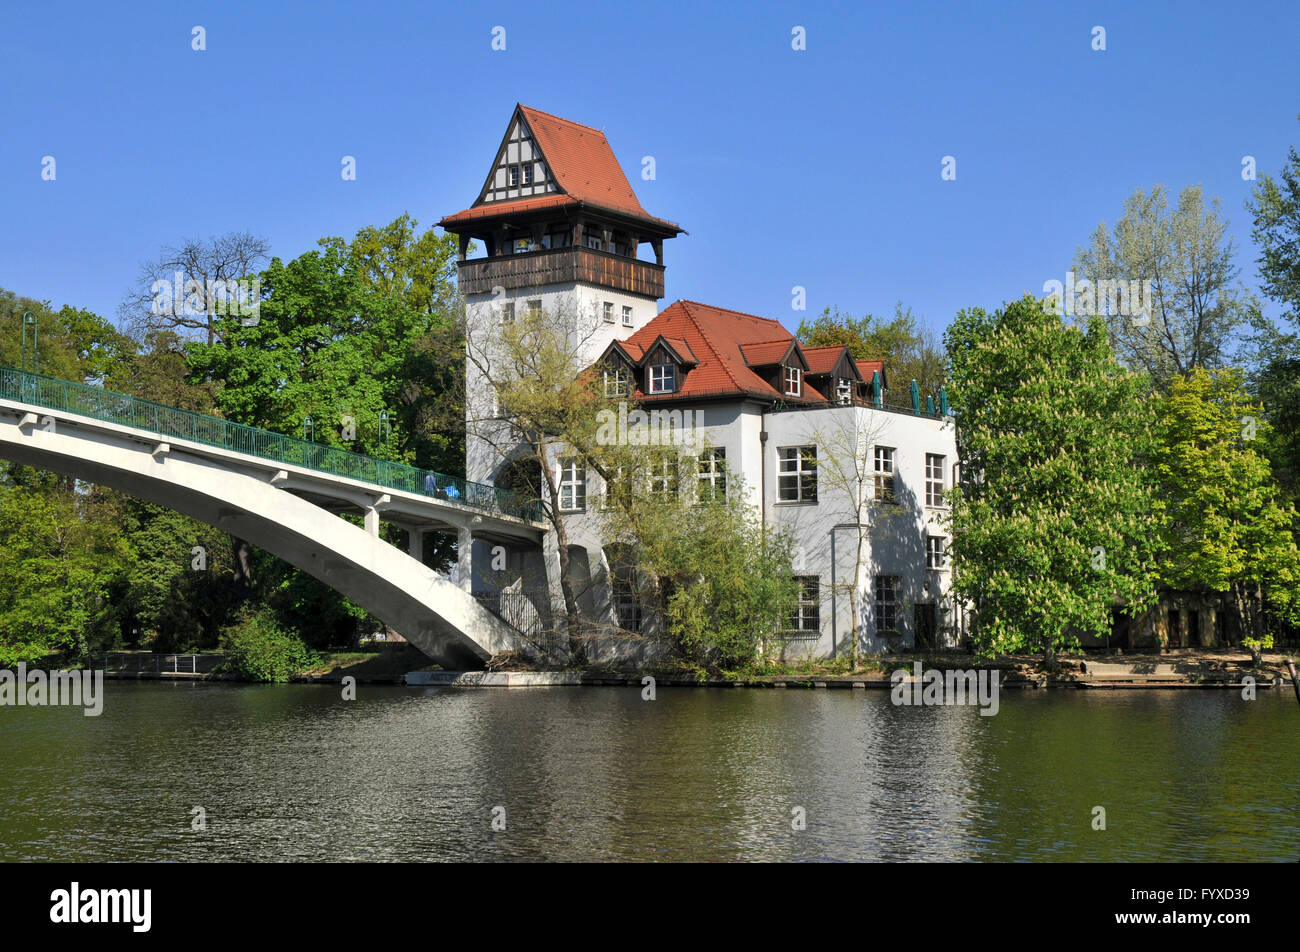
(384,430)
(29,320)
(834,602)
(308,431)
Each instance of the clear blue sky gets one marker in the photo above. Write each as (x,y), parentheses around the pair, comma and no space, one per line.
(818,168)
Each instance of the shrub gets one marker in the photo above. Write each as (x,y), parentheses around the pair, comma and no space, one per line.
(259,649)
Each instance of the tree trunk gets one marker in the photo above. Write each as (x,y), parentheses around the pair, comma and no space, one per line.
(243,568)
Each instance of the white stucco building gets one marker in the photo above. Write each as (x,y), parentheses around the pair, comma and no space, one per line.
(817,440)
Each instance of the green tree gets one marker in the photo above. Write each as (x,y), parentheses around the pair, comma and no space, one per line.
(1196,307)
(58,562)
(1055,518)
(908,349)
(1227,530)
(1275,207)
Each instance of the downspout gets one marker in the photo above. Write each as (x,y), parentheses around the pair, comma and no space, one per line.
(762,470)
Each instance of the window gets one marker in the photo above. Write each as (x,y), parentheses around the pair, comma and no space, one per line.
(627,316)
(886,604)
(507,312)
(934,479)
(711,475)
(535,307)
(555,239)
(618,490)
(934,552)
(617,382)
(520,245)
(663,378)
(594,242)
(807,617)
(573,486)
(664,476)
(797,474)
(528,174)
(514,176)
(608,312)
(793,382)
(885,473)
(843,392)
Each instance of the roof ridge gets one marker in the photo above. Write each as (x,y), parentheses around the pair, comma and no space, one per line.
(756,317)
(713,347)
(551,115)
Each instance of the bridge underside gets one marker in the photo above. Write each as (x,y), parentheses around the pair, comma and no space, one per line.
(434,614)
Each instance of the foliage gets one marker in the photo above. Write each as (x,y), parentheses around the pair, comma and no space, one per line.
(1226,529)
(1196,307)
(259,648)
(1275,206)
(726,585)
(1054,517)
(907,348)
(58,564)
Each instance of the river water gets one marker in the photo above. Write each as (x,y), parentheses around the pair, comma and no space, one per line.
(291,773)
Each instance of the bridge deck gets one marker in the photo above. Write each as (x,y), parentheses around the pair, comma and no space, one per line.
(160,420)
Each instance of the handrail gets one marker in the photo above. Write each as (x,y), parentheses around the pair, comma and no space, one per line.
(101,404)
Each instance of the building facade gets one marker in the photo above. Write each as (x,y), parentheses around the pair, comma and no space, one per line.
(811,439)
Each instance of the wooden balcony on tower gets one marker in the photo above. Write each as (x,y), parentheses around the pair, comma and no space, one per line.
(533,269)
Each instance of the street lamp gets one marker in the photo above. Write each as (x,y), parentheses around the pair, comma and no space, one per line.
(29,320)
(308,432)
(384,430)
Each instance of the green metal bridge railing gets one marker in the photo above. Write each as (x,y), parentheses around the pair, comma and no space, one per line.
(101,404)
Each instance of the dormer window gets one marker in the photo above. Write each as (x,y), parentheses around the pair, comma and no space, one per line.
(663,378)
(793,382)
(617,382)
(843,392)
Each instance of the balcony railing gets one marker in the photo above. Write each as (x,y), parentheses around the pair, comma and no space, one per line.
(101,404)
(534,269)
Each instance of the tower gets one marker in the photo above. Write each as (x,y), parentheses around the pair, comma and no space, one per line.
(562,231)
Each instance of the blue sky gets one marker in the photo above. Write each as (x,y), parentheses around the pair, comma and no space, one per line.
(818,168)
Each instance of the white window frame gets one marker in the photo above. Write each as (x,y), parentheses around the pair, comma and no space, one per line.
(796,469)
(508,312)
(807,616)
(936,552)
(886,617)
(793,378)
(711,473)
(935,488)
(663,378)
(573,485)
(618,382)
(607,312)
(627,316)
(844,391)
(884,460)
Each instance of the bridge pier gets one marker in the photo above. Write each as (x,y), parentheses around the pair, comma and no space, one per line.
(372,521)
(465,558)
(415,544)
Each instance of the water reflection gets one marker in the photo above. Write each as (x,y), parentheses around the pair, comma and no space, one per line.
(294,773)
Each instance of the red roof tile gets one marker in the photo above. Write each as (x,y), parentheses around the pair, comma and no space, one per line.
(583,166)
(822,360)
(766,353)
(716,337)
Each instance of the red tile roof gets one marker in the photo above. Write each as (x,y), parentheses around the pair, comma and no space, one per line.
(583,166)
(822,360)
(868,367)
(716,336)
(766,353)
